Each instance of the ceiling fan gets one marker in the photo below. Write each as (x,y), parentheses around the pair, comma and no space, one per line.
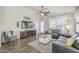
(44,11)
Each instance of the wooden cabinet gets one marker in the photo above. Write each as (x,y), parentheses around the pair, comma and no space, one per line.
(26,34)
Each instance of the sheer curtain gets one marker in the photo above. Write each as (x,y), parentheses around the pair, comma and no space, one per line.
(57,23)
(77,20)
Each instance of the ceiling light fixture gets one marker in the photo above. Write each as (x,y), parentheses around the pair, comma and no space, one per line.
(44,11)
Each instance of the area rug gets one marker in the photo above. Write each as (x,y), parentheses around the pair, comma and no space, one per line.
(44,48)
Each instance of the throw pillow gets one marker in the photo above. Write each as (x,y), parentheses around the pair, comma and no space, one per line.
(75,35)
(76,44)
(72,33)
(69,41)
(49,30)
(77,38)
(61,38)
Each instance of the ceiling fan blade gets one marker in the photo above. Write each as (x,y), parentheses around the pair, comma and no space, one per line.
(47,12)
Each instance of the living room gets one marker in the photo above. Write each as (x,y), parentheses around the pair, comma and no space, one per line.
(45,29)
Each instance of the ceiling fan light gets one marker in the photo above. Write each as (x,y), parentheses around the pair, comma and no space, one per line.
(42,14)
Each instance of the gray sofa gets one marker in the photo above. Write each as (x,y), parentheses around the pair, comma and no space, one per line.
(58,48)
(56,35)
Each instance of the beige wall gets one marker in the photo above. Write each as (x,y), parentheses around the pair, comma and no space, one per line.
(14,14)
(10,15)
(1,20)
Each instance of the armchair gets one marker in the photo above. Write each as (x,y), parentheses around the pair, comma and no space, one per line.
(12,36)
(8,37)
(5,37)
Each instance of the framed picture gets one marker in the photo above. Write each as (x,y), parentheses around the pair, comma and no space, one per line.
(17,24)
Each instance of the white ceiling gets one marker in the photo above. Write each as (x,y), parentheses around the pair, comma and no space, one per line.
(55,10)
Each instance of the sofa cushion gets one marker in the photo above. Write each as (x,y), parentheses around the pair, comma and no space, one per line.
(65,35)
(61,38)
(69,41)
(55,35)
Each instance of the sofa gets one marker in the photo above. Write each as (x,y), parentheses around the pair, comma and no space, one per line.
(60,48)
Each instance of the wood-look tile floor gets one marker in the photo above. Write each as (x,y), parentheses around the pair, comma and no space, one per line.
(20,47)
